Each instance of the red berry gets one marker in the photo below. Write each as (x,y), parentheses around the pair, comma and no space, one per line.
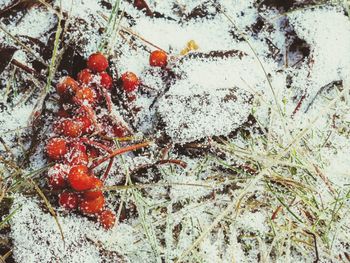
(92,206)
(66,84)
(70,128)
(94,194)
(106,80)
(85,76)
(97,62)
(86,123)
(85,94)
(68,200)
(57,177)
(79,178)
(119,131)
(107,219)
(56,148)
(130,81)
(78,155)
(78,146)
(158,58)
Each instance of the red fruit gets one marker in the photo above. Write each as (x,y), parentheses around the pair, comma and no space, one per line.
(158,58)
(85,76)
(86,123)
(97,62)
(92,206)
(56,148)
(130,81)
(57,177)
(78,146)
(78,155)
(94,194)
(106,80)
(79,178)
(68,200)
(107,219)
(66,84)
(85,94)
(119,131)
(71,128)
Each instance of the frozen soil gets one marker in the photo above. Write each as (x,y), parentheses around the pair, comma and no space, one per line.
(257,115)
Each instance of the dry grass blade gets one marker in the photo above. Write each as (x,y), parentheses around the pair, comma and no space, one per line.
(143,186)
(5,256)
(130,32)
(49,206)
(231,207)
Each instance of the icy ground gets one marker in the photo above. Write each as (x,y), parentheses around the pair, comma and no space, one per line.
(258,92)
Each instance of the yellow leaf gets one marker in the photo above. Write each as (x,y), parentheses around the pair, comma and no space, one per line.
(190,46)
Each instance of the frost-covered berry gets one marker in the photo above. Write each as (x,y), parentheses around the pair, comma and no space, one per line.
(107,219)
(130,81)
(78,155)
(119,131)
(105,80)
(97,184)
(86,94)
(65,85)
(70,128)
(86,123)
(79,178)
(68,200)
(97,62)
(158,58)
(57,177)
(85,76)
(56,148)
(91,205)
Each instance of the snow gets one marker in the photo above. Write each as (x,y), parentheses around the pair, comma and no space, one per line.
(329,43)
(209,97)
(191,117)
(5,3)
(33,229)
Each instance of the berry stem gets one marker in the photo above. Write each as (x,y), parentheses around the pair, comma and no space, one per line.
(108,99)
(120,151)
(90,112)
(297,108)
(109,167)
(96,144)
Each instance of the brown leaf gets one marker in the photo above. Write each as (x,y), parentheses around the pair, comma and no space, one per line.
(6,54)
(142,5)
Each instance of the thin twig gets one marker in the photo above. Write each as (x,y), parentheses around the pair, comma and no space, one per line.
(120,151)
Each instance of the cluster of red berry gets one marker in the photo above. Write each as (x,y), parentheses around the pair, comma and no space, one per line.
(72,148)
